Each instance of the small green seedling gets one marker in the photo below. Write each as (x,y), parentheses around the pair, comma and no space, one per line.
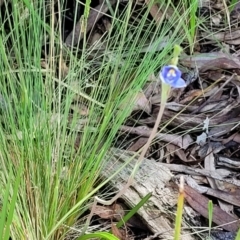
(210,216)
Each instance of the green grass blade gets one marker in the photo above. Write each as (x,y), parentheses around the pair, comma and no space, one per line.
(133,211)
(5,206)
(100,235)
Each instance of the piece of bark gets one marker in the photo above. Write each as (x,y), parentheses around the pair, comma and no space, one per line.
(151,177)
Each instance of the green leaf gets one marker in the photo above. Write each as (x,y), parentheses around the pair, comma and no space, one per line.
(101,235)
(133,211)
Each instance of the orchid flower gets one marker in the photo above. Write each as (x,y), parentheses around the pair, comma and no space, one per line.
(171,75)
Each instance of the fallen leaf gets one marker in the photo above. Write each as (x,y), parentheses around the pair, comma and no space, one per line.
(224,128)
(209,164)
(234,137)
(200,172)
(220,63)
(191,95)
(210,61)
(104,212)
(78,32)
(216,20)
(230,37)
(138,144)
(64,68)
(228,162)
(174,150)
(230,197)
(116,232)
(142,103)
(200,203)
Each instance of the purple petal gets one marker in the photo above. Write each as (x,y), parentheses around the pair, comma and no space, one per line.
(180,83)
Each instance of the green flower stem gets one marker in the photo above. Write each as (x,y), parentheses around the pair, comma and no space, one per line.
(176,53)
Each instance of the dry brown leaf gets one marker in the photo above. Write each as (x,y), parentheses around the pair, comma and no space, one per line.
(177,107)
(115,212)
(232,37)
(214,106)
(95,40)
(225,127)
(157,15)
(118,210)
(138,144)
(142,103)
(187,121)
(220,63)
(104,212)
(215,75)
(234,137)
(151,89)
(200,203)
(216,20)
(232,198)
(116,232)
(174,150)
(64,68)
(209,164)
(200,172)
(81,108)
(191,95)
(227,196)
(210,61)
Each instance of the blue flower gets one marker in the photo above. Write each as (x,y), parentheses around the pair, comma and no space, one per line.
(171,75)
